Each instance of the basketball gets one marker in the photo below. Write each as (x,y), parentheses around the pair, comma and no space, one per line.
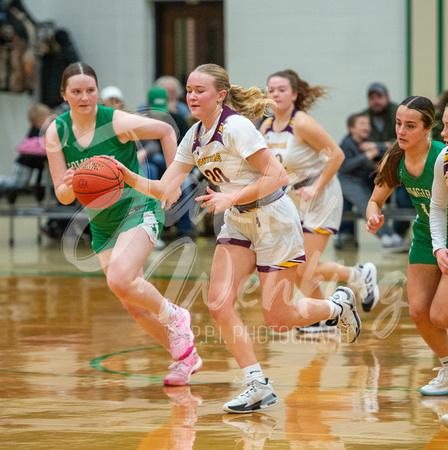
(98,183)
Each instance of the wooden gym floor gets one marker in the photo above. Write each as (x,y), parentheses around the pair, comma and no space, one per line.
(77,373)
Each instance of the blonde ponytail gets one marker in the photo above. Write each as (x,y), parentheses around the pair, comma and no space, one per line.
(250,102)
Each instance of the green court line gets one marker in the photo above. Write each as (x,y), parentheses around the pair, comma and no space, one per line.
(92,275)
(51,274)
(96,363)
(152,277)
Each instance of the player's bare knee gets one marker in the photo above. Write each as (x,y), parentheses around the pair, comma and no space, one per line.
(220,310)
(218,302)
(216,310)
(117,284)
(419,314)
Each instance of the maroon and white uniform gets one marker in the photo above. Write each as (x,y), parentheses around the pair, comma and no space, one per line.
(304,164)
(270,226)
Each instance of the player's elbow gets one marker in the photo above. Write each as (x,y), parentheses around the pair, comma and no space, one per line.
(64,196)
(65,201)
(167,132)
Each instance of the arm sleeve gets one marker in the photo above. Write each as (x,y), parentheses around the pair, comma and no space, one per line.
(438,208)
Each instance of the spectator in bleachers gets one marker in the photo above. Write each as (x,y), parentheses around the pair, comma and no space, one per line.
(355,176)
(157,108)
(58,54)
(381,113)
(112,97)
(175,92)
(31,149)
(153,163)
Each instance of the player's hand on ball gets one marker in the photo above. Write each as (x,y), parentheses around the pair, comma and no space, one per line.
(127,174)
(97,183)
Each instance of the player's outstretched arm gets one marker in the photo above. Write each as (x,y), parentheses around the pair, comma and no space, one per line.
(375,219)
(165,189)
(132,127)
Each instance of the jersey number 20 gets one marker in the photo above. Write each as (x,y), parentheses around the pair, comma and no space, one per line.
(216,175)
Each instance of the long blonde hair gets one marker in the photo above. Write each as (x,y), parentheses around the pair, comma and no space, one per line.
(388,173)
(250,102)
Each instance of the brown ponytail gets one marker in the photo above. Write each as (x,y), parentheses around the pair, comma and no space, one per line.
(306,95)
(388,173)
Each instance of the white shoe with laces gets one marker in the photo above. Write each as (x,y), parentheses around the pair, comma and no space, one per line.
(438,385)
(257,395)
(367,286)
(348,320)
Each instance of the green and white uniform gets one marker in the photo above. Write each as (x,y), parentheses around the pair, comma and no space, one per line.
(133,208)
(419,189)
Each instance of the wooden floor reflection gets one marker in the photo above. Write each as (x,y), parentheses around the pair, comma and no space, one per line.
(77,372)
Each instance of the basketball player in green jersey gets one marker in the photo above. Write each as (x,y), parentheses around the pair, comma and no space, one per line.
(411,161)
(124,234)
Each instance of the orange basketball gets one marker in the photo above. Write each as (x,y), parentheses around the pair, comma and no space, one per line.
(98,183)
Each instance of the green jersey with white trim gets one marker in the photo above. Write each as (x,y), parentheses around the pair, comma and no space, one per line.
(420,188)
(104,142)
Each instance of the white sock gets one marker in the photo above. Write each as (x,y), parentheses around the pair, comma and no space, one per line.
(253,372)
(335,309)
(166,311)
(355,274)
